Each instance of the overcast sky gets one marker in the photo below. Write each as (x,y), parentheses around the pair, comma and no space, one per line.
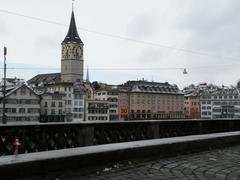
(201,36)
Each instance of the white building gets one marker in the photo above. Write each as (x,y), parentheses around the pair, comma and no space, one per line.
(96,110)
(22,105)
(53,107)
(111,95)
(221,103)
(74,99)
(78,104)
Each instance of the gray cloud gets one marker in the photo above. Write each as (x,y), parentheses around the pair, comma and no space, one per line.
(150,55)
(213,27)
(46,42)
(3,28)
(142,25)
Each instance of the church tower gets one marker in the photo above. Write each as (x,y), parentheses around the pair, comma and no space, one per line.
(72,55)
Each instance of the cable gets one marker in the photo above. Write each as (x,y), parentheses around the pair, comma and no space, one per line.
(122,37)
(132,69)
(31,17)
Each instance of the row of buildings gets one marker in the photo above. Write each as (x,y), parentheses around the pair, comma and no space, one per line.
(211,102)
(90,102)
(133,100)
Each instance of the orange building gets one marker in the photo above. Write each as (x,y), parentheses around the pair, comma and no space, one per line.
(150,100)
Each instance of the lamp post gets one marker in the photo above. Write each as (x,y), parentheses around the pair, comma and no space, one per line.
(4,119)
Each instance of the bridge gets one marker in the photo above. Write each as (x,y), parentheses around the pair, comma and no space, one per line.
(52,147)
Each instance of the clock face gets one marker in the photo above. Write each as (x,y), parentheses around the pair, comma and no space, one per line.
(65,51)
(71,51)
(78,52)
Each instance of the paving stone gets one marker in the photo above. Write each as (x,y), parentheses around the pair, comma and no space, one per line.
(222,164)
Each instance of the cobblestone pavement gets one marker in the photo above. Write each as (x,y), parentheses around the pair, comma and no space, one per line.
(215,164)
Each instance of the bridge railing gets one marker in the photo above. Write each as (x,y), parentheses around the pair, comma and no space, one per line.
(52,136)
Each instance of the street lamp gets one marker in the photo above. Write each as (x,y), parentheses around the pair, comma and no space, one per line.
(4,118)
(184,71)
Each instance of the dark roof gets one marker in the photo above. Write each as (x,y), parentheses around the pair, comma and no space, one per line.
(72,35)
(45,78)
(144,82)
(11,90)
(150,87)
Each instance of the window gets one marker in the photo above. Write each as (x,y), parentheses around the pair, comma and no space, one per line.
(11,110)
(60,111)
(46,104)
(75,103)
(21,110)
(80,103)
(34,101)
(78,96)
(60,104)
(53,104)
(216,110)
(216,103)
(75,109)
(52,111)
(33,110)
(21,101)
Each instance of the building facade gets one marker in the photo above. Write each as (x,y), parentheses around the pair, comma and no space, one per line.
(74,99)
(192,108)
(111,95)
(150,100)
(78,104)
(53,107)
(221,103)
(96,111)
(22,105)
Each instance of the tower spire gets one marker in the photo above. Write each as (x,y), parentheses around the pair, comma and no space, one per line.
(72,35)
(87,78)
(72,5)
